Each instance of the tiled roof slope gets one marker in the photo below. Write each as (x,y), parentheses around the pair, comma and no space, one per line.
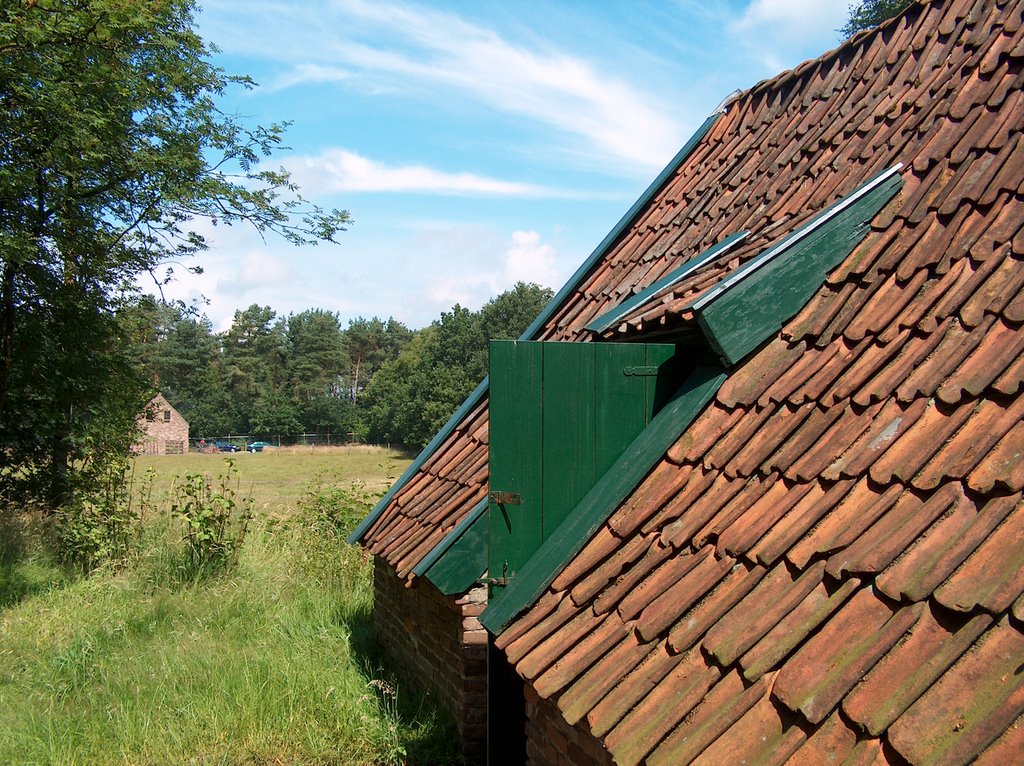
(938,88)
(828,566)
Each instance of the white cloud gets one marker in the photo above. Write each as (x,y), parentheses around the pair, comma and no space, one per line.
(794,16)
(434,54)
(309,74)
(339,170)
(529,259)
(258,269)
(772,29)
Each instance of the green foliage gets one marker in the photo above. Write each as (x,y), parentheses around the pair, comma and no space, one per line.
(272,664)
(99,524)
(113,149)
(410,398)
(215,518)
(870,13)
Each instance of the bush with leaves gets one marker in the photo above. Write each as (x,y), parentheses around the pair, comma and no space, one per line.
(215,516)
(103,522)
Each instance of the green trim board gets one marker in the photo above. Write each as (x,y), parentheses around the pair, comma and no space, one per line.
(460,559)
(446,431)
(739,313)
(607,320)
(570,287)
(601,501)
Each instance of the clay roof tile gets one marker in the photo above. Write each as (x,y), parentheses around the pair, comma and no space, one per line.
(679,692)
(933,644)
(833,741)
(970,706)
(1002,467)
(992,577)
(774,597)
(894,531)
(846,521)
(943,548)
(791,631)
(815,679)
(634,686)
(726,704)
(682,594)
(692,625)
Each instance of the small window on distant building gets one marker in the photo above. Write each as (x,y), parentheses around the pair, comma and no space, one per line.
(167,416)
(150,415)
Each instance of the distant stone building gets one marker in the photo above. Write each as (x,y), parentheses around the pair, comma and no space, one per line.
(165,430)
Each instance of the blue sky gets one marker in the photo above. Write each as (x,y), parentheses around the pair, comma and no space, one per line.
(475,143)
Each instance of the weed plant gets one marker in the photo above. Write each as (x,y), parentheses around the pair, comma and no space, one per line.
(271,662)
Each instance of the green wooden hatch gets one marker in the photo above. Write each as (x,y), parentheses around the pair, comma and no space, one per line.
(560,416)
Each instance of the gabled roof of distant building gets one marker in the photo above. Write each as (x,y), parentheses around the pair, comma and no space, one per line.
(828,563)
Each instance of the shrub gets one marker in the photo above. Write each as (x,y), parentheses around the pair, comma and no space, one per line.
(100,525)
(215,518)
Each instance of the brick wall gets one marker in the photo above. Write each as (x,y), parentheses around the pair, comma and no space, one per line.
(438,644)
(166,432)
(551,741)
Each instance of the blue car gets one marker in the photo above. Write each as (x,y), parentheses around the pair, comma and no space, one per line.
(258,446)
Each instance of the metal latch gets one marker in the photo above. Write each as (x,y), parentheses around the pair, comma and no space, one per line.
(499,582)
(631,371)
(505,498)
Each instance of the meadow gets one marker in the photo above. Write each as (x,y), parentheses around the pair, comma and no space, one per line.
(149,661)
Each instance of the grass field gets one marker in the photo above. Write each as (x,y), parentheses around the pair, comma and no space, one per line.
(271,663)
(277,477)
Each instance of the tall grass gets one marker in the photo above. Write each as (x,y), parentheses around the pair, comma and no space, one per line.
(270,664)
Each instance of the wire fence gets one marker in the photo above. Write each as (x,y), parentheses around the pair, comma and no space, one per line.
(248,442)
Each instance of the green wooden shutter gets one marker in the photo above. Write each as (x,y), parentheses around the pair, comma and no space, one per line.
(560,415)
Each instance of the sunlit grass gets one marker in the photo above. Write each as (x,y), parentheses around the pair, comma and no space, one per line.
(277,477)
(270,664)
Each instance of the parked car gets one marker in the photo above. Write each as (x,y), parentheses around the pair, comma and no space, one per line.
(258,446)
(225,446)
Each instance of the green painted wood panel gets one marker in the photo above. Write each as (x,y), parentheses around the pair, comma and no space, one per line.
(463,561)
(753,304)
(515,530)
(607,494)
(622,406)
(673,367)
(569,409)
(561,415)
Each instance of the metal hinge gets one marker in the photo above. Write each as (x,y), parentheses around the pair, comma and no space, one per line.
(505,498)
(630,371)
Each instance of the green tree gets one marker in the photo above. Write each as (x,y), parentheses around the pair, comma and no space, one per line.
(370,343)
(255,352)
(871,13)
(317,364)
(111,145)
(317,354)
(508,315)
(410,398)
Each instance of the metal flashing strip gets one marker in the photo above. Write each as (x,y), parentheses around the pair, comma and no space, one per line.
(607,494)
(605,321)
(537,324)
(804,231)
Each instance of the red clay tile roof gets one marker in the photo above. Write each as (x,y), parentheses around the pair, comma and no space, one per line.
(828,566)
(939,89)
